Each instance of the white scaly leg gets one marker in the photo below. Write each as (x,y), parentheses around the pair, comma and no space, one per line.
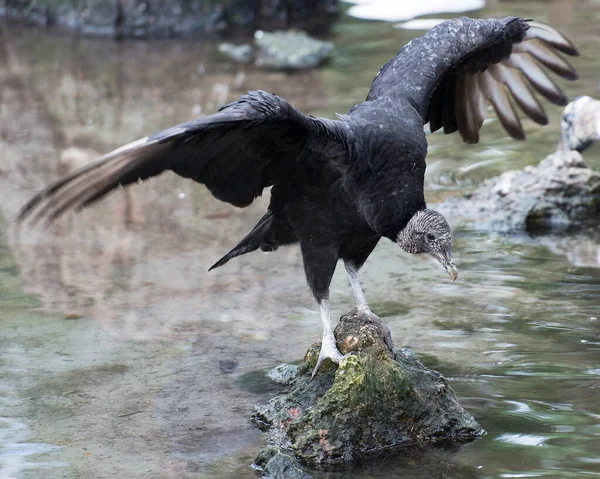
(328,346)
(359,298)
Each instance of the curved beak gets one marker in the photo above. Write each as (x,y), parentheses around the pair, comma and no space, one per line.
(452,271)
(448,264)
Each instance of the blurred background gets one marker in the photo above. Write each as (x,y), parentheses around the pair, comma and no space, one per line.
(120,356)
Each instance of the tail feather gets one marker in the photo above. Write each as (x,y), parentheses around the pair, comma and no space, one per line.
(251,241)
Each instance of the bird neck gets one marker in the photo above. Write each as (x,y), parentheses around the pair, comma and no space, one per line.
(406,241)
(406,237)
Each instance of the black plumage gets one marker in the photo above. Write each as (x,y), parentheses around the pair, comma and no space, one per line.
(338,186)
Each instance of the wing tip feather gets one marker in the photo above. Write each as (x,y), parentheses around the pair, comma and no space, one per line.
(552,37)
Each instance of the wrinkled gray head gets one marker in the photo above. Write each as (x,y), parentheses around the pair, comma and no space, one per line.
(429,232)
(580,124)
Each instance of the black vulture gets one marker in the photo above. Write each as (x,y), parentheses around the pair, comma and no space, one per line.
(339,186)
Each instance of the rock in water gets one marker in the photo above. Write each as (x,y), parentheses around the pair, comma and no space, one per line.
(290,50)
(157,18)
(376,398)
(281,50)
(559,193)
(239,53)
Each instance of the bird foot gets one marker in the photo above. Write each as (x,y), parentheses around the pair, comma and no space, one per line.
(329,350)
(371,317)
(363,311)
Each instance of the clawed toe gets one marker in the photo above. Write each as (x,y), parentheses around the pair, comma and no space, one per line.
(366,312)
(328,351)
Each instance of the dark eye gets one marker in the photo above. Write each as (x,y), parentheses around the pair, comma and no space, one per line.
(430,237)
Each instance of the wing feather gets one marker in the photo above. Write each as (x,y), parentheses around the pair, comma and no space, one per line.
(449,114)
(436,119)
(462,109)
(497,95)
(468,63)
(478,103)
(236,153)
(520,91)
(536,76)
(514,75)
(475,107)
(551,36)
(547,57)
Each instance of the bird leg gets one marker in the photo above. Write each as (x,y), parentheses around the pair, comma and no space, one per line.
(359,298)
(363,308)
(328,344)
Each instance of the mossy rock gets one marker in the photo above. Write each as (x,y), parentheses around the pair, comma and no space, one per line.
(377,398)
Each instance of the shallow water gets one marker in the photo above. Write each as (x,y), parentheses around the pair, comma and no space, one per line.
(120,356)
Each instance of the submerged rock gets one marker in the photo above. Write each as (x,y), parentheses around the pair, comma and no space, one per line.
(290,50)
(239,53)
(559,193)
(281,50)
(377,398)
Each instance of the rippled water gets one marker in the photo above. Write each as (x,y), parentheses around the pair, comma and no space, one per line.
(120,356)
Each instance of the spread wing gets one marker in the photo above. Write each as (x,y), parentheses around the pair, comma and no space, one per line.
(452,73)
(236,153)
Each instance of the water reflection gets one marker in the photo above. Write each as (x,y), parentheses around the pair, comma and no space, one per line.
(126,246)
(417,462)
(138,320)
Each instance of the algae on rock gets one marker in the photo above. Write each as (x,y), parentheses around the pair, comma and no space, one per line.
(377,398)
